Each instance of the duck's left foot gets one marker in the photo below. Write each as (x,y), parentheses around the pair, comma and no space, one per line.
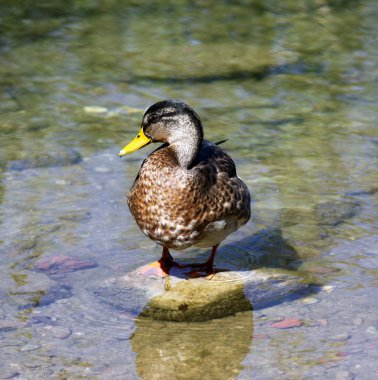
(206,269)
(154,269)
(200,270)
(166,266)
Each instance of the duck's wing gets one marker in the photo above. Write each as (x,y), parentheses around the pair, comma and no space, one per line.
(211,162)
(224,196)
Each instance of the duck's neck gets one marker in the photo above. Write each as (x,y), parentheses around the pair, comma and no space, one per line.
(186,146)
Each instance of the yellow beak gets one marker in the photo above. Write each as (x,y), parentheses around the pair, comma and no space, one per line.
(139,141)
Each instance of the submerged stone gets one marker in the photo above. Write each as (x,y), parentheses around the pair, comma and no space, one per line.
(333,213)
(59,332)
(57,157)
(95,109)
(30,347)
(63,264)
(8,373)
(199,300)
(287,323)
(320,269)
(294,216)
(339,337)
(9,325)
(76,215)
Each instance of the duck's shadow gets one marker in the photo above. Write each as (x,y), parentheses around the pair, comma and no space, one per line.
(265,249)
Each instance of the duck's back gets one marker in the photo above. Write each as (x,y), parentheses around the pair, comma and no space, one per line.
(198,206)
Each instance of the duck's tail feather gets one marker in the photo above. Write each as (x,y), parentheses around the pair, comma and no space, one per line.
(221,142)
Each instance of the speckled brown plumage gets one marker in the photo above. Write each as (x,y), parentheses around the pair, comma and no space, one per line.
(186,199)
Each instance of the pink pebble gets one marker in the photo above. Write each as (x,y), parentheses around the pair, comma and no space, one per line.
(63,264)
(287,323)
(261,336)
(323,322)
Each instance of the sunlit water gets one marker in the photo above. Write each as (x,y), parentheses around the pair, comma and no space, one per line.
(292,86)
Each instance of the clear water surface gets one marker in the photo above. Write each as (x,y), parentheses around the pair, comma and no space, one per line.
(292,85)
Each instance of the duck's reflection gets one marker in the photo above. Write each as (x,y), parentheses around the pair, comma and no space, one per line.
(213,349)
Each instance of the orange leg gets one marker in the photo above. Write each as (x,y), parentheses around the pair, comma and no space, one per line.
(210,262)
(207,267)
(162,267)
(166,261)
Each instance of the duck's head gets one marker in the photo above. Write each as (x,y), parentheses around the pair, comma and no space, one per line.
(172,122)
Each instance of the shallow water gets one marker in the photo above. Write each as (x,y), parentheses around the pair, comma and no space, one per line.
(292,86)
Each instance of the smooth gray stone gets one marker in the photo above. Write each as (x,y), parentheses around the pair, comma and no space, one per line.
(176,298)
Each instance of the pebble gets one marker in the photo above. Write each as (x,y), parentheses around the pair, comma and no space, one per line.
(76,216)
(7,373)
(323,322)
(8,325)
(26,244)
(61,332)
(287,323)
(30,347)
(321,269)
(372,330)
(57,157)
(63,264)
(358,321)
(333,213)
(260,336)
(310,300)
(101,169)
(61,182)
(344,375)
(95,109)
(328,288)
(339,337)
(356,351)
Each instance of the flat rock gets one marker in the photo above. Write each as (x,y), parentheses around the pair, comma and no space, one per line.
(198,299)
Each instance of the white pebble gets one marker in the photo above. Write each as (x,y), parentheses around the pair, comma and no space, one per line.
(310,300)
(372,330)
(95,109)
(61,182)
(328,288)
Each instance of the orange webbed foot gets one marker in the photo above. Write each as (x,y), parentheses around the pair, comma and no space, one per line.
(154,269)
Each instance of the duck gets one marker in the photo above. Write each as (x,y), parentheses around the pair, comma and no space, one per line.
(187,192)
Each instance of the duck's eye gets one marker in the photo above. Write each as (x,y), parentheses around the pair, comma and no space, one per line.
(154,119)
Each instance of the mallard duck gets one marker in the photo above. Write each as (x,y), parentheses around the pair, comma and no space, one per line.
(187,192)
